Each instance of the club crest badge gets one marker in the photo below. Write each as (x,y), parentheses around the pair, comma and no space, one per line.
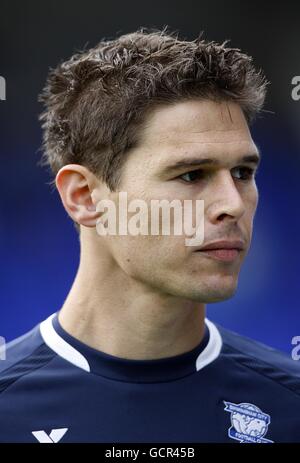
(248,423)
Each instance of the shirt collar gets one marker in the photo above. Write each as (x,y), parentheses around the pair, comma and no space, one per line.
(122,369)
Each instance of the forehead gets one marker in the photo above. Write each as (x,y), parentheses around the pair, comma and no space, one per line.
(195,124)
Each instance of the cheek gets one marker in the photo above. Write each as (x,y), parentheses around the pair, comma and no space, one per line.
(149,253)
(253,201)
(249,195)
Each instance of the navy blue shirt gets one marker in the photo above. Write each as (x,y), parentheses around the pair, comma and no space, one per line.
(54,388)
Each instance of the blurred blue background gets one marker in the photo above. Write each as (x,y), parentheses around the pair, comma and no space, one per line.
(38,243)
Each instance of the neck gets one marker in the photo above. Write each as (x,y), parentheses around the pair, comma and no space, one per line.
(116,314)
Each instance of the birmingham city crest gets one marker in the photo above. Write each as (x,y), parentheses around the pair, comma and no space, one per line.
(248,423)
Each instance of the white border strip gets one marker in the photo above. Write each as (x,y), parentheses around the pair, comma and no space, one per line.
(60,346)
(69,353)
(213,348)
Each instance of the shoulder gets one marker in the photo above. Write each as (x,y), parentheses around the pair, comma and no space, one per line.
(261,359)
(22,356)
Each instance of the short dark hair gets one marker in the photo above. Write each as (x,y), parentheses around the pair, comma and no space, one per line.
(97,101)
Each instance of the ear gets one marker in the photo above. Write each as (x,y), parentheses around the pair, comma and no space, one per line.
(75,184)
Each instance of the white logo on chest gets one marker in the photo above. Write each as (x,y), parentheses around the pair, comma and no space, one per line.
(54,436)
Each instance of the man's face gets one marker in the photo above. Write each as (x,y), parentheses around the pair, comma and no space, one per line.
(190,132)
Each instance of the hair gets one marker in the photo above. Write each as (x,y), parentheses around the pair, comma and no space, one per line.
(96,103)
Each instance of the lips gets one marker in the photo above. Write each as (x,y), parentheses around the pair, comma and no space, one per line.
(224,244)
(226,251)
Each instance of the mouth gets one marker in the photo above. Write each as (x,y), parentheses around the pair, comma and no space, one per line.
(224,251)
(224,255)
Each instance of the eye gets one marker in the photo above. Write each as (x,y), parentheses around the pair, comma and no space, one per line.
(244,173)
(192,176)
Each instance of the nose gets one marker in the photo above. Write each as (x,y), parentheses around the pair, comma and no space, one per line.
(225,201)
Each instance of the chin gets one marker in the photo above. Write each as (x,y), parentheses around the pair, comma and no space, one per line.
(205,295)
(217,291)
(219,297)
(222,293)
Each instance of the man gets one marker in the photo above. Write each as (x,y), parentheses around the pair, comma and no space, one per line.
(131,357)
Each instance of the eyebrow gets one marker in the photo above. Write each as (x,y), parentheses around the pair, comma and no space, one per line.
(198,162)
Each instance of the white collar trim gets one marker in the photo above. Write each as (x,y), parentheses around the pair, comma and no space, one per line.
(60,346)
(213,348)
(72,355)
